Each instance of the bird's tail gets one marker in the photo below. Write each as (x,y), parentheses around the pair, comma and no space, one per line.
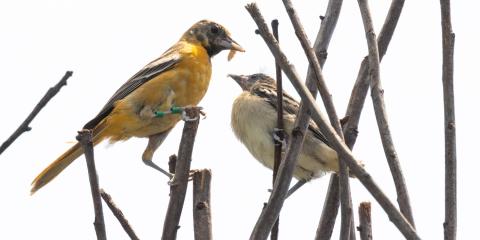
(65,160)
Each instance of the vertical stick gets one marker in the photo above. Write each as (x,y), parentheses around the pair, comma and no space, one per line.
(365,217)
(279,131)
(264,223)
(85,139)
(403,198)
(202,219)
(448,41)
(346,201)
(179,183)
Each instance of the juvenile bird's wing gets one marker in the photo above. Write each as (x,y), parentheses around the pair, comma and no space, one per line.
(164,63)
(290,105)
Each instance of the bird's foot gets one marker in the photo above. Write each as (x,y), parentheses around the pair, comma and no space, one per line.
(174,181)
(279,137)
(186,118)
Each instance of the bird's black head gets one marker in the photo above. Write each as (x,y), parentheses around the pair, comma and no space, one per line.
(246,82)
(213,37)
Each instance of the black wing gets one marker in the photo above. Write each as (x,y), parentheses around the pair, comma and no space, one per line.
(290,105)
(150,71)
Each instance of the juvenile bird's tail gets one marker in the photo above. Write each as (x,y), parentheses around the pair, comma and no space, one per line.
(64,160)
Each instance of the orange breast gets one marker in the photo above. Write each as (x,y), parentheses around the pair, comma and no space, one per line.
(188,81)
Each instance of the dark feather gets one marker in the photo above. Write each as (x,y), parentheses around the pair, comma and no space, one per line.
(268,92)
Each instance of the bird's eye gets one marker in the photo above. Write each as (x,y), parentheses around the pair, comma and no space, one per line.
(214,29)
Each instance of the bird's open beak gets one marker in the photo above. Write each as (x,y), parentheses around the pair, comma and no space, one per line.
(240,79)
(229,43)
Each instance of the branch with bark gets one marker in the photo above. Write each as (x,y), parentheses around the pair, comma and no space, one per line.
(202,215)
(178,185)
(395,216)
(118,214)
(85,139)
(365,219)
(448,42)
(45,99)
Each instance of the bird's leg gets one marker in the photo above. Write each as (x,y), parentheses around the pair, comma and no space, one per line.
(154,141)
(295,187)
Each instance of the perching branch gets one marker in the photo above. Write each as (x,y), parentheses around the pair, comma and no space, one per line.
(346,201)
(85,138)
(365,219)
(448,41)
(395,216)
(178,185)
(271,211)
(118,214)
(279,132)
(202,217)
(381,114)
(45,99)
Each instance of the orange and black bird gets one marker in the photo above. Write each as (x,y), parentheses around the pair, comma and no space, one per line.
(254,120)
(178,78)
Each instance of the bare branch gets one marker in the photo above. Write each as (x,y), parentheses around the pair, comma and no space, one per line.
(395,216)
(448,41)
(381,114)
(202,219)
(330,207)
(346,201)
(280,129)
(362,84)
(85,138)
(365,217)
(178,185)
(45,99)
(271,211)
(330,210)
(118,214)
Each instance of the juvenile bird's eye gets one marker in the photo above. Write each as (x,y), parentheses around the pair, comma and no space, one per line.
(214,29)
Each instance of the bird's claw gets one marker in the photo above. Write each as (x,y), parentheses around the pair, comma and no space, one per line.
(174,181)
(279,137)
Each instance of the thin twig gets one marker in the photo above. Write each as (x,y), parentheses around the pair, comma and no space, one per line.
(179,183)
(202,218)
(448,41)
(118,214)
(329,211)
(271,211)
(354,110)
(85,138)
(279,132)
(346,201)
(362,84)
(381,114)
(365,219)
(331,203)
(45,99)
(395,216)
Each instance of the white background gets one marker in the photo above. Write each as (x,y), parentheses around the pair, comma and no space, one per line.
(105,42)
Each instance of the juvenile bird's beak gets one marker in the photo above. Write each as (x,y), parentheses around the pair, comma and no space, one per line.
(241,80)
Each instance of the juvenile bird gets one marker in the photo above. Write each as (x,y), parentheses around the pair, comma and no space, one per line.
(178,78)
(254,119)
